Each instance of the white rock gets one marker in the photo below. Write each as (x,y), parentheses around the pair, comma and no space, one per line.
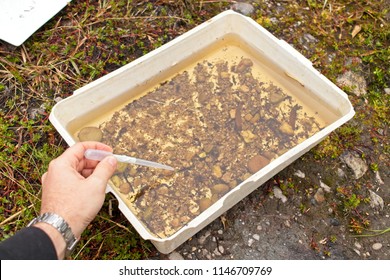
(216,252)
(376,200)
(378,178)
(203,238)
(354,82)
(299,174)
(340,173)
(357,164)
(256,237)
(278,194)
(357,251)
(357,245)
(243,8)
(377,246)
(325,187)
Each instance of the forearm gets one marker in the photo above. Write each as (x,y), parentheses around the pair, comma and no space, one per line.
(56,238)
(31,243)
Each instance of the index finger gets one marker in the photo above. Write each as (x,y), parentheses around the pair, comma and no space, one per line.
(75,154)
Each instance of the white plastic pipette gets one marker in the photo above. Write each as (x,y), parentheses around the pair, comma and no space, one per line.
(100,155)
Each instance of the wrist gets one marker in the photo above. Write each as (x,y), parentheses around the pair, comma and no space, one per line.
(56,238)
(58,230)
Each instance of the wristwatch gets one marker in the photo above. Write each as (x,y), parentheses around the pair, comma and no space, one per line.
(61,225)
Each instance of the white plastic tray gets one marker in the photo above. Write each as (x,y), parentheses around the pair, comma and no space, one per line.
(114,89)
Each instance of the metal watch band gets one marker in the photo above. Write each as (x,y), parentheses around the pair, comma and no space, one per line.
(61,225)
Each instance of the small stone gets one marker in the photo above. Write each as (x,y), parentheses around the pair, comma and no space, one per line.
(250,242)
(203,238)
(378,178)
(248,136)
(175,223)
(121,167)
(243,8)
(376,201)
(194,207)
(204,203)
(319,195)
(340,173)
(357,245)
(299,174)
(357,164)
(116,181)
(57,99)
(175,256)
(221,249)
(227,177)
(279,194)
(124,188)
(275,96)
(286,129)
(202,155)
(376,246)
(35,112)
(216,252)
(354,82)
(309,38)
(220,188)
(225,75)
(217,172)
(256,237)
(334,222)
(256,163)
(357,251)
(163,190)
(325,187)
(287,223)
(244,89)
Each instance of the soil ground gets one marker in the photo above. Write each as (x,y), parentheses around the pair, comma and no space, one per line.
(263,227)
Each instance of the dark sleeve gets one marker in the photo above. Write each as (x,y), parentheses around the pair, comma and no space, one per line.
(29,243)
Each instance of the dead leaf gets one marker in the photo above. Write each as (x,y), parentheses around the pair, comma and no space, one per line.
(224,222)
(356,30)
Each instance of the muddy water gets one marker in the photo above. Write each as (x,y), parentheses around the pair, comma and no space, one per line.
(218,121)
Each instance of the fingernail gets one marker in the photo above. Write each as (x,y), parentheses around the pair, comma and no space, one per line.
(112,161)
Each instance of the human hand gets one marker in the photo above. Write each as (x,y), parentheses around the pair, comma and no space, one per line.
(74,187)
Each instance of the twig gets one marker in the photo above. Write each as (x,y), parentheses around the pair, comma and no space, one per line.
(119,225)
(10,218)
(376,232)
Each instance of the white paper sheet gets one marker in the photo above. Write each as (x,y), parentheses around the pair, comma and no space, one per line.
(19,19)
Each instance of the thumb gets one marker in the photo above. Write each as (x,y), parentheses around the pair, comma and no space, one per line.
(104,170)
